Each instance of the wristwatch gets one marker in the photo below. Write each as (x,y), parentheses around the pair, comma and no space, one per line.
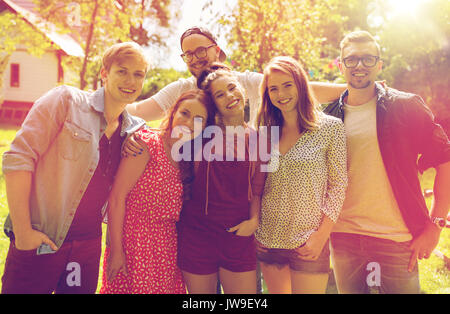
(439,222)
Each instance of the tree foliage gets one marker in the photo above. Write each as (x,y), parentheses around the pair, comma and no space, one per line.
(262,29)
(17,32)
(98,24)
(415,45)
(157,78)
(417,55)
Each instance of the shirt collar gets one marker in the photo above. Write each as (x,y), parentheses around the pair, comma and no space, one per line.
(129,123)
(380,92)
(98,100)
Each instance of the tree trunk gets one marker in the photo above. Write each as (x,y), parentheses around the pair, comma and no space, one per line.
(83,81)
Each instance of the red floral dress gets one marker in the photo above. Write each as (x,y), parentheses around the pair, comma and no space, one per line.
(149,233)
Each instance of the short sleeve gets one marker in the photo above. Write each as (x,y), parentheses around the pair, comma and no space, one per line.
(169,94)
(151,138)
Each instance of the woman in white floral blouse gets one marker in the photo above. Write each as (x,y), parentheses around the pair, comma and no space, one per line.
(304,193)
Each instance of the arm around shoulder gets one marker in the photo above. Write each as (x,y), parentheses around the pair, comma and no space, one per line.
(155,107)
(327,92)
(147,109)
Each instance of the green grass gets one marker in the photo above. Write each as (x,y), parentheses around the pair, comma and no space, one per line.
(434,277)
(7,134)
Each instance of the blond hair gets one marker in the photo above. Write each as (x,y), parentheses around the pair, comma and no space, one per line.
(119,52)
(359,37)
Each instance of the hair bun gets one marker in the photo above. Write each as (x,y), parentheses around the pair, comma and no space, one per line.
(211,69)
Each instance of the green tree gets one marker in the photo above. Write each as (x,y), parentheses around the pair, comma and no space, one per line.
(140,12)
(417,55)
(158,78)
(262,29)
(98,24)
(415,47)
(17,32)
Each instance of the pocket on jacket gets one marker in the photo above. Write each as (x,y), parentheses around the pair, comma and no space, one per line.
(72,141)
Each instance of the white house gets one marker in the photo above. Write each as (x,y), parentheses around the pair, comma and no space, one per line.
(27,77)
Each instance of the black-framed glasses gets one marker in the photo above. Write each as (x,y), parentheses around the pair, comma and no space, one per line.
(367,60)
(200,53)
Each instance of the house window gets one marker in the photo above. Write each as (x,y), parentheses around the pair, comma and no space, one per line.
(15,77)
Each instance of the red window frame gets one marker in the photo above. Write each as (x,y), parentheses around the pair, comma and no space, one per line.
(15,75)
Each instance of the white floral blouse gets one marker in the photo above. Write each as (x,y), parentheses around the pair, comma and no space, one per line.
(309,181)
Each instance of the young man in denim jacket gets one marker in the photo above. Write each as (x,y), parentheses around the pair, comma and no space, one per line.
(385,226)
(58,174)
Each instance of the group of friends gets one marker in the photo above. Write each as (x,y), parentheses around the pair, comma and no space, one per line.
(341,184)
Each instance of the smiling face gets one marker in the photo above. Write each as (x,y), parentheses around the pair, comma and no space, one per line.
(188,112)
(124,81)
(282,91)
(360,77)
(190,44)
(228,96)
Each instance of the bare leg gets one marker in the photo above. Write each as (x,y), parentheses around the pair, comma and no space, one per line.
(308,283)
(278,280)
(200,284)
(238,282)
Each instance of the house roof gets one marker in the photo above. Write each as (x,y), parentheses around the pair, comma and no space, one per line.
(63,41)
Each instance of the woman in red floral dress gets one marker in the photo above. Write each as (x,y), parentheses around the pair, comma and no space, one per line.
(145,204)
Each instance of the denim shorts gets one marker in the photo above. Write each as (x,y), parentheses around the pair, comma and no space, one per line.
(283,257)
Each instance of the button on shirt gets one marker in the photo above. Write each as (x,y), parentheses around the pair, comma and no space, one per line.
(88,216)
(59,143)
(308,181)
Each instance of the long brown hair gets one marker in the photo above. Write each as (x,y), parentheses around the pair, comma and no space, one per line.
(201,96)
(187,167)
(307,108)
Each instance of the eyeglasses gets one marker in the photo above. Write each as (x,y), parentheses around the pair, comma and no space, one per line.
(367,60)
(200,53)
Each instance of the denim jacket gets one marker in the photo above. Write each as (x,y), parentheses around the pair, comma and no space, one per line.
(410,141)
(59,144)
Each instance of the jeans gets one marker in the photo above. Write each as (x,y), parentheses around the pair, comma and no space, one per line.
(73,269)
(362,262)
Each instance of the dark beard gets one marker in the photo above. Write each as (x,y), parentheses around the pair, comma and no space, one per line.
(362,86)
(203,63)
